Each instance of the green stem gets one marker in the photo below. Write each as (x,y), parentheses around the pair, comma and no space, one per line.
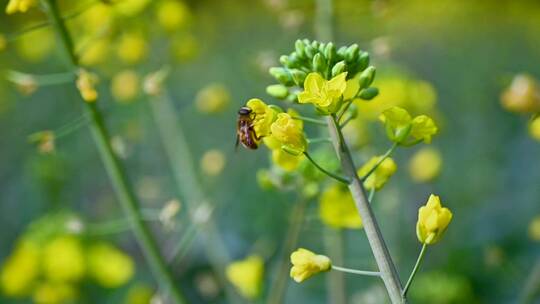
(532,285)
(383,157)
(345,108)
(311,120)
(371,195)
(279,286)
(116,173)
(332,175)
(415,269)
(355,271)
(344,123)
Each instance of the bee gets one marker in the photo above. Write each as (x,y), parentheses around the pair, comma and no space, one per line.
(245,133)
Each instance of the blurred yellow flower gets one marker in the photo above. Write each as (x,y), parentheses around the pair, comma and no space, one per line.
(130,7)
(45,141)
(35,46)
(109,266)
(125,86)
(534,128)
(534,229)
(425,165)
(285,160)
(63,259)
(213,98)
(139,293)
(247,275)
(290,133)
(97,19)
(324,94)
(132,48)
(399,125)
(172,15)
(522,96)
(212,162)
(86,82)
(53,293)
(306,264)
(94,53)
(263,116)
(337,208)
(22,6)
(20,269)
(378,178)
(433,219)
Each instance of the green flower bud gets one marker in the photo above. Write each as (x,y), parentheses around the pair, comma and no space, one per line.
(298,77)
(310,52)
(310,190)
(282,75)
(367,77)
(321,48)
(294,60)
(330,52)
(278,91)
(299,46)
(338,68)
(341,52)
(352,54)
(284,60)
(353,111)
(319,64)
(363,60)
(368,93)
(315,44)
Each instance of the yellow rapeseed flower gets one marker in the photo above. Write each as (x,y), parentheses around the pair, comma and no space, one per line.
(337,208)
(132,48)
(22,6)
(130,7)
(433,219)
(534,229)
(378,178)
(172,15)
(213,98)
(63,259)
(306,264)
(109,266)
(425,165)
(263,116)
(86,82)
(247,275)
(20,269)
(326,95)
(125,86)
(94,53)
(399,125)
(35,46)
(290,133)
(522,96)
(212,162)
(285,160)
(534,128)
(139,293)
(53,293)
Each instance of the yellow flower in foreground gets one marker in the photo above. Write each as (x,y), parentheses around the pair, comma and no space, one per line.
(53,293)
(306,264)
(433,220)
(132,48)
(86,84)
(381,175)
(125,86)
(399,125)
(534,229)
(263,116)
(19,6)
(20,269)
(247,275)
(285,160)
(290,133)
(522,96)
(172,15)
(109,266)
(337,208)
(425,165)
(213,162)
(534,128)
(213,98)
(63,259)
(324,94)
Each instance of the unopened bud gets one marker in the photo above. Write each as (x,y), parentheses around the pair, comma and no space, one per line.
(278,91)
(368,93)
(367,77)
(338,68)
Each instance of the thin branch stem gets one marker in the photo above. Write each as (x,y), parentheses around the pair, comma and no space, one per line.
(345,108)
(355,271)
(371,195)
(332,175)
(380,161)
(310,120)
(346,121)
(115,171)
(415,269)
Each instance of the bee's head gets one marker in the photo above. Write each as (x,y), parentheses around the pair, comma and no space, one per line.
(244,111)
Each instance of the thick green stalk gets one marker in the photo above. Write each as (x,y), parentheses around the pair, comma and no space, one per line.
(376,241)
(116,173)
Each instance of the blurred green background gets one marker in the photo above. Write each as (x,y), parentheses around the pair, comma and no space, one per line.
(466,50)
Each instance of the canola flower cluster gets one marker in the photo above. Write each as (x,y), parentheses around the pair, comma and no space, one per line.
(51,260)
